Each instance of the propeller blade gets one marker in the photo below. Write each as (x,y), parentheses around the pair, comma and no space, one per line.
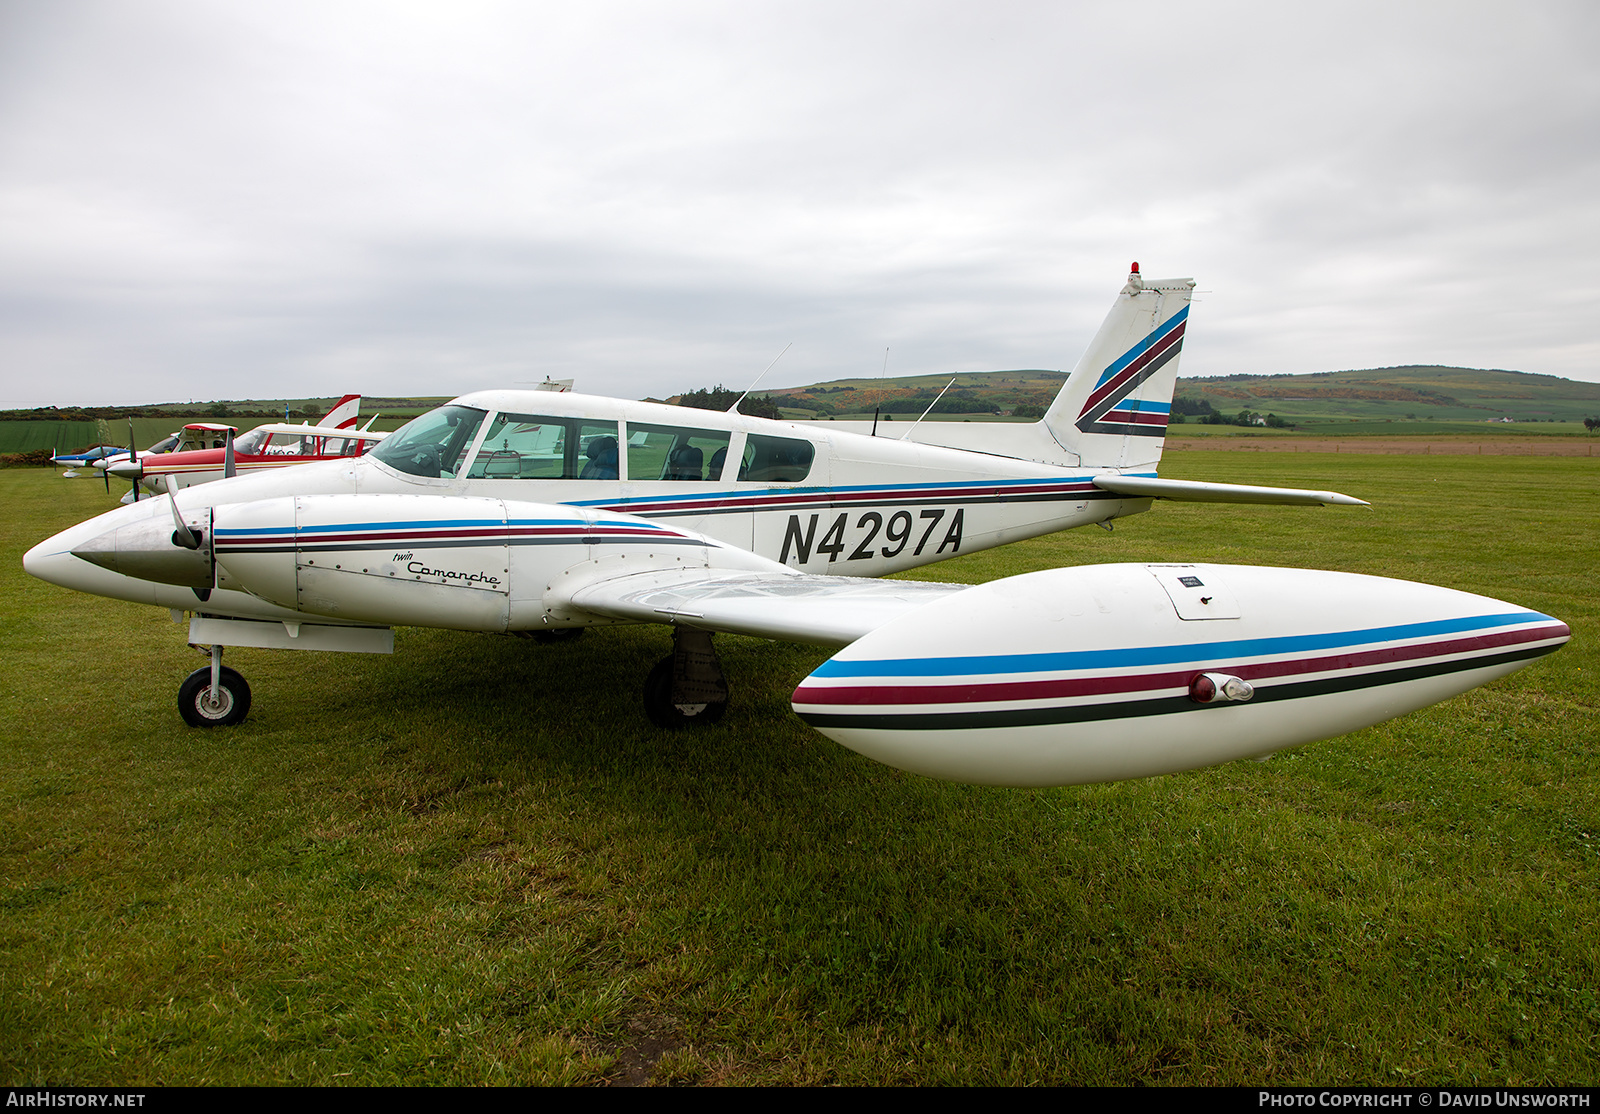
(228,469)
(182,535)
(133,457)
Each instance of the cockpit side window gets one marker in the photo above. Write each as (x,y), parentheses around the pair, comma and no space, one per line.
(250,444)
(776,459)
(289,444)
(432,446)
(523,447)
(661,452)
(540,447)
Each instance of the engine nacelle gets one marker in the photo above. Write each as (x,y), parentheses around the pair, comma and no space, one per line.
(1104,672)
(438,561)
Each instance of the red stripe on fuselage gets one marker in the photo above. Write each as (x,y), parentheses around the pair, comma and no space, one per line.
(1065,688)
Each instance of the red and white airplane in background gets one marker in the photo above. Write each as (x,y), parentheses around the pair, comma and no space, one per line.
(196,435)
(275,445)
(531,512)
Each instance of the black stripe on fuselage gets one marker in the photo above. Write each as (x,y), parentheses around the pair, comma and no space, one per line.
(1162,706)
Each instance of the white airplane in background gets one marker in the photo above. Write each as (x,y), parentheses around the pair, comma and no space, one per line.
(542,513)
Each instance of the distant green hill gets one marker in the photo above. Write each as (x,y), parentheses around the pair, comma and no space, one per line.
(1415,393)
(978,393)
(1418,392)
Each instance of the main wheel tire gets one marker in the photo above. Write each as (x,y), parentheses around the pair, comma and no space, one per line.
(233,699)
(663,712)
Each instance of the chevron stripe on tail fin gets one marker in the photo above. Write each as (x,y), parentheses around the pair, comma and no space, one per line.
(1113,410)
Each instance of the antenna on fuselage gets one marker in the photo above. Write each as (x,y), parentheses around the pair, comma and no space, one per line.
(877,409)
(734,409)
(931,405)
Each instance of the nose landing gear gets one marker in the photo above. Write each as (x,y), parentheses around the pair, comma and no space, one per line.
(214,696)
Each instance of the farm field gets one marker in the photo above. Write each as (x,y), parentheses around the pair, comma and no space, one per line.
(1389,446)
(475,861)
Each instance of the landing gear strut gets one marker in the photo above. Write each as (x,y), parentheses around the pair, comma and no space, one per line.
(688,685)
(214,696)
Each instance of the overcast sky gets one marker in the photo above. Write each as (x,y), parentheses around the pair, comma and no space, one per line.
(211,199)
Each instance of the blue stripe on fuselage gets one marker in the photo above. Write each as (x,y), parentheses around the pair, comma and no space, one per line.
(1136,656)
(826,492)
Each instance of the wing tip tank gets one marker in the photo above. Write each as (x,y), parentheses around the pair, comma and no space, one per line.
(1095,673)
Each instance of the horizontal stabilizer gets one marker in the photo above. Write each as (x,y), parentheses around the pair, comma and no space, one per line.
(1194,491)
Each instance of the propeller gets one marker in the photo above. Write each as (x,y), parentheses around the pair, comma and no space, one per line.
(228,469)
(133,458)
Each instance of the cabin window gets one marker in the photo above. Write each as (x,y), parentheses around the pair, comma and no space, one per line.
(249,444)
(541,447)
(664,452)
(288,444)
(776,459)
(433,445)
(346,446)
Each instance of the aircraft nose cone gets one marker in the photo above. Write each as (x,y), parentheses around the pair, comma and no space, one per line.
(146,550)
(126,469)
(49,563)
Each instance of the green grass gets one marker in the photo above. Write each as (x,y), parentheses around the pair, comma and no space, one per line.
(475,861)
(1399,427)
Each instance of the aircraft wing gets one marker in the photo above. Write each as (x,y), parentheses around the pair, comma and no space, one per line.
(795,607)
(1194,491)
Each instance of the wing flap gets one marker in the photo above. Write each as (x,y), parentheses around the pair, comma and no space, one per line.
(819,610)
(1195,491)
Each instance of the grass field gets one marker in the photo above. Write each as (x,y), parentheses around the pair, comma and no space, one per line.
(475,862)
(1444,431)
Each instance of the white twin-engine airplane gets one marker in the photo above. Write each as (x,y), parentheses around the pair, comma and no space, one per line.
(533,512)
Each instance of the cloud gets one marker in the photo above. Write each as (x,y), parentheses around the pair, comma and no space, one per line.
(200,199)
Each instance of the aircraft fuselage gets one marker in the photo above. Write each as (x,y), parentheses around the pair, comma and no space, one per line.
(806,497)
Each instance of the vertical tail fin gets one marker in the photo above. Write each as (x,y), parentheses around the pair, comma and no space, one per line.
(342,415)
(1114,408)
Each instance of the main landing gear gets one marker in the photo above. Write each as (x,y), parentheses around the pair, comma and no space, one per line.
(214,696)
(687,686)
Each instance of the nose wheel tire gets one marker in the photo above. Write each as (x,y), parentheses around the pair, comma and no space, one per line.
(231,705)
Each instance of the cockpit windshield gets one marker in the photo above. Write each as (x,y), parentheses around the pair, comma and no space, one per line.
(433,445)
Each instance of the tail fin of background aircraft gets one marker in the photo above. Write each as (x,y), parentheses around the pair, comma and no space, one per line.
(343,413)
(1113,410)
